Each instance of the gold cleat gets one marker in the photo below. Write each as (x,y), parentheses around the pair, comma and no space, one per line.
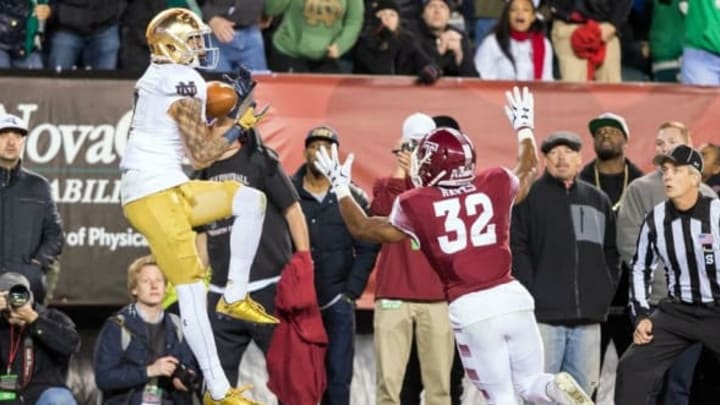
(245,309)
(233,397)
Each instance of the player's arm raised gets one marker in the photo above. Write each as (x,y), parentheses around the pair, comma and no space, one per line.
(520,110)
(373,229)
(204,144)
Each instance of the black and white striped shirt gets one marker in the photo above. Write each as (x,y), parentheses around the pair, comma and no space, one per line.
(688,243)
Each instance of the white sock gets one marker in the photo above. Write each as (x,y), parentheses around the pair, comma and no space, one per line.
(249,207)
(197,331)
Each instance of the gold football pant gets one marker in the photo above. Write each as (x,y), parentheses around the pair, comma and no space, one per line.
(167,219)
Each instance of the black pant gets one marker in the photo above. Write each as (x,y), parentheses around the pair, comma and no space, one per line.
(233,336)
(619,330)
(412,383)
(675,328)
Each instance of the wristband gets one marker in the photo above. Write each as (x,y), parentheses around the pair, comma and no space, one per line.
(525,133)
(233,134)
(342,191)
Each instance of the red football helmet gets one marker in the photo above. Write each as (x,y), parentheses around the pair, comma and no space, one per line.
(445,157)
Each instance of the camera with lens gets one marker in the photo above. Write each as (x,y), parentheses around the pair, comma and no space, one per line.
(17,296)
(188,377)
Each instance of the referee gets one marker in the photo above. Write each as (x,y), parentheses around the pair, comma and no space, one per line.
(683,232)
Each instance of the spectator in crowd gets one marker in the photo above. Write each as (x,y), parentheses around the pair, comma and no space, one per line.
(21,38)
(26,204)
(701,52)
(313,35)
(563,245)
(85,34)
(342,264)
(140,353)
(160,201)
(252,164)
(37,346)
(711,169)
(634,43)
(585,39)
(448,47)
(678,232)
(408,10)
(134,54)
(667,30)
(517,48)
(640,197)
(388,48)
(487,13)
(237,34)
(409,298)
(611,171)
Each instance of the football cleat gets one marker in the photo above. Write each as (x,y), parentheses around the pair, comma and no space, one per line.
(566,391)
(245,309)
(233,397)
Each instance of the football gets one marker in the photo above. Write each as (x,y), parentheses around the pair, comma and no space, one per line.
(221,99)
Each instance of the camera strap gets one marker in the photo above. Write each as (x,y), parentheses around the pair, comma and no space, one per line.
(14,346)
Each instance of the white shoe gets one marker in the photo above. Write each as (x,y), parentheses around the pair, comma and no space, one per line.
(566,391)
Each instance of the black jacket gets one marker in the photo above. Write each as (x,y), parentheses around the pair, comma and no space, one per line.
(86,17)
(382,52)
(563,245)
(134,53)
(54,340)
(13,22)
(122,374)
(31,236)
(612,11)
(446,62)
(342,264)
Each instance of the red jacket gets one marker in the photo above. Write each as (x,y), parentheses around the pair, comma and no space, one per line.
(296,356)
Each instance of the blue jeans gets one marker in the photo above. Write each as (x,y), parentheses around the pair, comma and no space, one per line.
(575,350)
(97,51)
(32,61)
(56,396)
(246,49)
(700,67)
(339,322)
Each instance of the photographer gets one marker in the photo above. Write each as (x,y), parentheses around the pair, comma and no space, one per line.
(36,344)
(140,355)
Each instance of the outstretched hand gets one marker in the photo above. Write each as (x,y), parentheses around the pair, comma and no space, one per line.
(338,174)
(520,108)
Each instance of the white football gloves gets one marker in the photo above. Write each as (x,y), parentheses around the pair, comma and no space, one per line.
(520,110)
(339,175)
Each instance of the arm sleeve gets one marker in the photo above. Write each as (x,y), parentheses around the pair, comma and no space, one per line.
(52,234)
(112,372)
(56,332)
(619,14)
(612,257)
(351,25)
(629,221)
(214,8)
(548,62)
(280,190)
(384,193)
(484,57)
(641,277)
(467,65)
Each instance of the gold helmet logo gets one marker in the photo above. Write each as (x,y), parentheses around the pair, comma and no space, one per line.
(177,35)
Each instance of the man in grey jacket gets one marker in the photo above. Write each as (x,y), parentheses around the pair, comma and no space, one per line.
(641,196)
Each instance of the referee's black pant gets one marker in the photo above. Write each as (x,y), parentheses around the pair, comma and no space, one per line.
(675,327)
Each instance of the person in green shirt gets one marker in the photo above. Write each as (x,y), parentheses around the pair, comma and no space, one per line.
(701,54)
(313,34)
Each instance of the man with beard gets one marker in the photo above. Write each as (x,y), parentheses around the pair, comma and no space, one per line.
(611,172)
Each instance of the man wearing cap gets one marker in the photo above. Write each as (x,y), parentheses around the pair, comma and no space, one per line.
(711,173)
(30,225)
(449,48)
(611,171)
(409,297)
(682,232)
(36,346)
(563,245)
(342,264)
(639,199)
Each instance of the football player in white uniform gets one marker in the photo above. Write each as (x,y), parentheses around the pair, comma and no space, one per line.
(159,200)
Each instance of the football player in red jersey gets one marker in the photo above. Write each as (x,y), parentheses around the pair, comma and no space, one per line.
(461,221)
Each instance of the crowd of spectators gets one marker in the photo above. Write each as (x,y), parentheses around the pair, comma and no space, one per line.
(586,40)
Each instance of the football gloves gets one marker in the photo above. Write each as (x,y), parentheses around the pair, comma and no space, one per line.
(520,108)
(339,175)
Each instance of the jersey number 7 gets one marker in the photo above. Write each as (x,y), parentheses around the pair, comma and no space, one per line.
(482,232)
